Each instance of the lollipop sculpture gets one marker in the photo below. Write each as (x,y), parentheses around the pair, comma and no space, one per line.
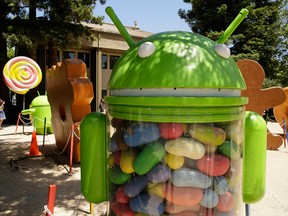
(22,74)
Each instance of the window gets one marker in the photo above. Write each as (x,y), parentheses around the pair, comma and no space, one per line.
(68,55)
(113,60)
(85,57)
(104,62)
(48,56)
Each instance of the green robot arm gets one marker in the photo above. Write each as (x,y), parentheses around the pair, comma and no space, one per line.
(93,139)
(254,154)
(28,111)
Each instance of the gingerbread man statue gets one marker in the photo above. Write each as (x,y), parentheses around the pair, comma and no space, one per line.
(261,99)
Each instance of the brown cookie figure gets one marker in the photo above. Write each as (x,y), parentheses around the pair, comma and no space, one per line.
(260,99)
(281,111)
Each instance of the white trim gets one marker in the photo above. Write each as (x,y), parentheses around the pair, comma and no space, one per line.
(177,92)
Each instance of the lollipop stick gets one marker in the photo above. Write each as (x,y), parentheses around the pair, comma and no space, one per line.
(23,109)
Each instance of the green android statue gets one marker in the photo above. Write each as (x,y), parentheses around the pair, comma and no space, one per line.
(40,114)
(179,133)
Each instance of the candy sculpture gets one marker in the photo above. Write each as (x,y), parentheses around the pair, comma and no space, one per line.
(70,93)
(178,121)
(262,99)
(22,74)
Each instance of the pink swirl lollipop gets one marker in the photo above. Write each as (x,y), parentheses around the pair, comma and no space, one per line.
(22,74)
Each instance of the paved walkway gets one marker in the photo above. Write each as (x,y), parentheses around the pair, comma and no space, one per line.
(69,200)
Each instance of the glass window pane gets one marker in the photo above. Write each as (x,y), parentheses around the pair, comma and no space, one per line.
(113,60)
(104,62)
(68,55)
(85,58)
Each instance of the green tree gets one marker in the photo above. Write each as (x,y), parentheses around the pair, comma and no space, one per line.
(259,36)
(59,24)
(30,25)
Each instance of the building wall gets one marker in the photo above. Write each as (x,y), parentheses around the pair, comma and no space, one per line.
(100,55)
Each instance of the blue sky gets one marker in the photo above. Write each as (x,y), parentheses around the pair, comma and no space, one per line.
(151,15)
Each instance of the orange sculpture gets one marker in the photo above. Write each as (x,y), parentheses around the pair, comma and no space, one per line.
(281,111)
(260,99)
(69,93)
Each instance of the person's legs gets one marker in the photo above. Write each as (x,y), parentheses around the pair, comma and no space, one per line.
(1,121)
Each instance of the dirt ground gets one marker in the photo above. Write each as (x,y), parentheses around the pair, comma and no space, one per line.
(24,189)
(24,181)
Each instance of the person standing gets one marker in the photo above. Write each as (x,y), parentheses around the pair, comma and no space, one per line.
(2,113)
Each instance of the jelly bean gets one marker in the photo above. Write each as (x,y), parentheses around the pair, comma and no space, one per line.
(117,157)
(114,159)
(170,130)
(121,209)
(234,131)
(220,184)
(141,214)
(111,161)
(156,189)
(184,213)
(141,133)
(190,163)
(213,165)
(147,204)
(185,147)
(186,177)
(127,160)
(208,135)
(117,123)
(230,149)
(185,128)
(210,198)
(174,161)
(209,149)
(118,137)
(186,196)
(159,173)
(226,202)
(234,174)
(116,176)
(121,197)
(173,208)
(207,212)
(113,147)
(151,155)
(135,186)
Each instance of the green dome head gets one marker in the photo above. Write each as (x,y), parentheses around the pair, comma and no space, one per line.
(175,61)
(176,72)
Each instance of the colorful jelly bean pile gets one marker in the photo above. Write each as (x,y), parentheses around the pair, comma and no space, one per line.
(175,169)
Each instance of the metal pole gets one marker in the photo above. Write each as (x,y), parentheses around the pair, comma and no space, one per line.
(247,210)
(44,132)
(71,148)
(51,198)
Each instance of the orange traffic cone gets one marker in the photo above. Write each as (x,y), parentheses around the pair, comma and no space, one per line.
(34,150)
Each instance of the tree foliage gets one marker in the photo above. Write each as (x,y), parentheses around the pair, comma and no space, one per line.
(262,36)
(32,23)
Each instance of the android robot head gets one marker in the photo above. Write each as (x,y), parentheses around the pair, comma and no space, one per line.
(175,68)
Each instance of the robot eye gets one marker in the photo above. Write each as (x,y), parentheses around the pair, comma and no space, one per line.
(222,50)
(146,49)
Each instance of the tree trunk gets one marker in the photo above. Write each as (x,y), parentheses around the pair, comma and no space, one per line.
(52,54)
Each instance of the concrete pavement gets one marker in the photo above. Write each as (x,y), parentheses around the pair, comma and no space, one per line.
(69,199)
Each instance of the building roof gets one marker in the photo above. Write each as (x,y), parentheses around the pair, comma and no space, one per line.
(134,31)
